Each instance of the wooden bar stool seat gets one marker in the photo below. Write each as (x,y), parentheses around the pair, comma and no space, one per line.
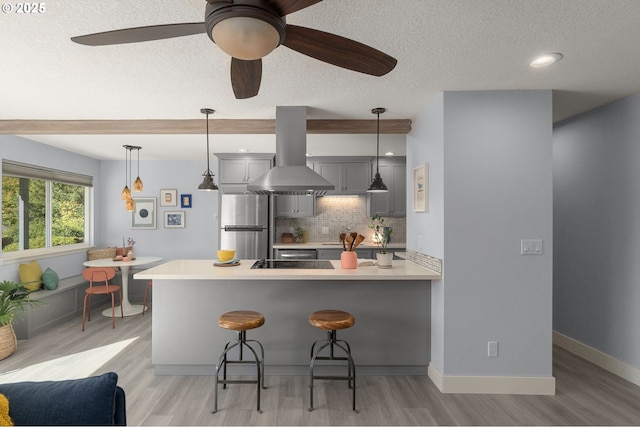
(240,321)
(332,321)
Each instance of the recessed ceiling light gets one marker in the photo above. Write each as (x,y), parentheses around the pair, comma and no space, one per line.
(545,60)
(309,155)
(243,150)
(389,153)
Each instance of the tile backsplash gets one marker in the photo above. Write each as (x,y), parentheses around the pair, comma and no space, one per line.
(338,213)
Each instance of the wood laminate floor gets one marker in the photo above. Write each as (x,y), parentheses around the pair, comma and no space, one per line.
(585,394)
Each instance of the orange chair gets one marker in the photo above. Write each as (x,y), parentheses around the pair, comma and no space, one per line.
(146,288)
(101,274)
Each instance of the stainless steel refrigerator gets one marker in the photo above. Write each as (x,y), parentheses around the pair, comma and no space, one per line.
(245,222)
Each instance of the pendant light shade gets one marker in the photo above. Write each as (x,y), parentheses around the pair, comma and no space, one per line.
(377,186)
(207,182)
(137,184)
(125,194)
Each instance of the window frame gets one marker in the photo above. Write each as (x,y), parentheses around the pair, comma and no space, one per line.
(23,170)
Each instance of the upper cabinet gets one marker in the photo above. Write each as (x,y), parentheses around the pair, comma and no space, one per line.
(350,176)
(241,170)
(393,171)
(295,206)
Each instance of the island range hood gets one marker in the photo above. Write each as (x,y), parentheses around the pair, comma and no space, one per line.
(291,176)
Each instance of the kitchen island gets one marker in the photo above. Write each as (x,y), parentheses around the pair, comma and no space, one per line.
(391,307)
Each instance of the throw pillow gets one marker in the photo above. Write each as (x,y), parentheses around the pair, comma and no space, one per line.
(50,279)
(31,275)
(5,419)
(101,253)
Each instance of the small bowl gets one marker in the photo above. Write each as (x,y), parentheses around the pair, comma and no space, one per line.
(226,255)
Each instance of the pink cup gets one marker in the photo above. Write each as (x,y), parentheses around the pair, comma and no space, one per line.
(349,259)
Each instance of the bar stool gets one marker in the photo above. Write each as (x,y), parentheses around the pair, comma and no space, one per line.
(240,321)
(331,321)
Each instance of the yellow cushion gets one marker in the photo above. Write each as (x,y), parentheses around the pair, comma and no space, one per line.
(101,253)
(5,419)
(31,275)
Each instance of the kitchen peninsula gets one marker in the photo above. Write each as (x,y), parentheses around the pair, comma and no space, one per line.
(391,307)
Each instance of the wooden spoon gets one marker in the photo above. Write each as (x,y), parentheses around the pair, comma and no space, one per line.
(349,242)
(342,237)
(358,240)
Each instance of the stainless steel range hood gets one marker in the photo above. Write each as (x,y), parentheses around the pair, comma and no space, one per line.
(291,176)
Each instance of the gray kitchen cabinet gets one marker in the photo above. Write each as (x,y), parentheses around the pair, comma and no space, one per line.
(242,170)
(349,176)
(394,203)
(295,206)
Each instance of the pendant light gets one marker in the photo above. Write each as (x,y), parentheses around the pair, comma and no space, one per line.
(130,204)
(125,194)
(137,184)
(377,186)
(207,182)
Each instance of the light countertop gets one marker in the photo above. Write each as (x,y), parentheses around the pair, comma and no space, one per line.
(192,269)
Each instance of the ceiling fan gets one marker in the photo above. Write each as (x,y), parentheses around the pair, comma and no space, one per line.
(248,30)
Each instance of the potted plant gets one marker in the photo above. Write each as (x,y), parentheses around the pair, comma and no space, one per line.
(381,236)
(14,298)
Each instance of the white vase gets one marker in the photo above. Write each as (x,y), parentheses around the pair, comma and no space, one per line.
(384,260)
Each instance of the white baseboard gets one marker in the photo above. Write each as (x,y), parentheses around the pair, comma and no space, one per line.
(491,384)
(603,360)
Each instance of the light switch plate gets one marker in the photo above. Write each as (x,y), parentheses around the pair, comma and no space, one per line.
(531,247)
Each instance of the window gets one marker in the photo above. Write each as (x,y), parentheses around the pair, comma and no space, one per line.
(43,208)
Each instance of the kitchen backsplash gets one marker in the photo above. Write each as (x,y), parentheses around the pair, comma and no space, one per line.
(337,213)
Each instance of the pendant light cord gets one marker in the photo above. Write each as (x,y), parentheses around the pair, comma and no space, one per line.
(208,170)
(378,145)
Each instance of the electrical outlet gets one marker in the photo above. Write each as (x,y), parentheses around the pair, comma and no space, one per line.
(325,230)
(492,349)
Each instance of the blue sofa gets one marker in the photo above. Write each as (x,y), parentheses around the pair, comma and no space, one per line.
(87,401)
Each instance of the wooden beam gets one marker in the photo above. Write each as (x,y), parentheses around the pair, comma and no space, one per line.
(192,126)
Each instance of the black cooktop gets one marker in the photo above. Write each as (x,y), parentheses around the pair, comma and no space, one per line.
(298,264)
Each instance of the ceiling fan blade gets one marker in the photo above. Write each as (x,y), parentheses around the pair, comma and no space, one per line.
(339,51)
(141,34)
(246,77)
(286,7)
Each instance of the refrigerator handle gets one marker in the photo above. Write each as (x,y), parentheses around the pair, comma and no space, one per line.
(244,228)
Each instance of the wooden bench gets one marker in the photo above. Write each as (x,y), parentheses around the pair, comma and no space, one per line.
(59,305)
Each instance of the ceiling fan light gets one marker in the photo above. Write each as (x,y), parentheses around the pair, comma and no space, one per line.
(245,38)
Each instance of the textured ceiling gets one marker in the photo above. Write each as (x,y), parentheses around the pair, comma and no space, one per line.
(440,45)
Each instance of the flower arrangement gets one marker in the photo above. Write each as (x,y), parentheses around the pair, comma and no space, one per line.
(130,242)
(381,233)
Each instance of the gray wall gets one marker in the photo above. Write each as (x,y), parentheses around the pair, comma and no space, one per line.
(26,151)
(491,154)
(199,239)
(597,237)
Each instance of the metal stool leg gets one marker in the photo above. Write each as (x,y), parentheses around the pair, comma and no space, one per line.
(224,361)
(332,342)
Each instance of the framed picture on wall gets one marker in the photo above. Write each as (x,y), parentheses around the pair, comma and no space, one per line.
(421,188)
(144,214)
(168,197)
(185,200)
(174,219)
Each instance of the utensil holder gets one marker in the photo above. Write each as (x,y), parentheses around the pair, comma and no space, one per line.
(349,259)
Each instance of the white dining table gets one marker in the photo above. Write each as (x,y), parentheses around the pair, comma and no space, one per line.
(127,308)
